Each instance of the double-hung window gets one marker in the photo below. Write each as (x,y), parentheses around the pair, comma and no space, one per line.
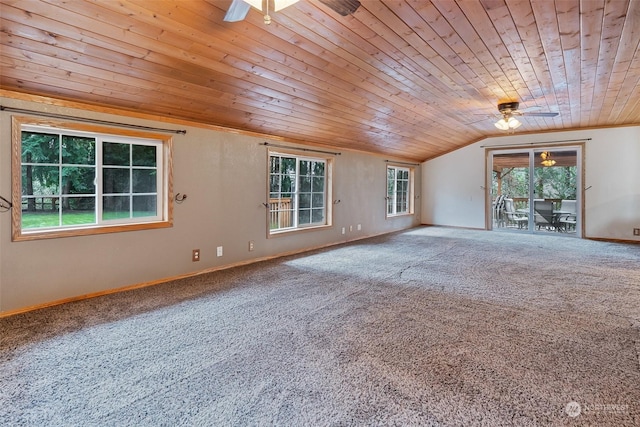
(399,191)
(75,179)
(299,191)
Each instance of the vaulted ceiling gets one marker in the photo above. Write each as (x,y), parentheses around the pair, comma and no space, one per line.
(412,79)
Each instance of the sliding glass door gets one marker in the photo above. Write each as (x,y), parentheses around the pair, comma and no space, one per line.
(536,190)
(510,189)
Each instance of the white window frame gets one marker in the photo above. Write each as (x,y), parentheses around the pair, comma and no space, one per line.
(164,205)
(293,224)
(392,196)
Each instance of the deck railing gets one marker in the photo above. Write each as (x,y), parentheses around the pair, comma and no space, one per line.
(280,213)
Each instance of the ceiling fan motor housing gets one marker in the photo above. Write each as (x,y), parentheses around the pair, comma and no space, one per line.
(508,107)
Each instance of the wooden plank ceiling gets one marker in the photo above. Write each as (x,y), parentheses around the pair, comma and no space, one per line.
(413,79)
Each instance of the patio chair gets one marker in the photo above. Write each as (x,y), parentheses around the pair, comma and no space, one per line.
(514,218)
(498,211)
(568,218)
(543,210)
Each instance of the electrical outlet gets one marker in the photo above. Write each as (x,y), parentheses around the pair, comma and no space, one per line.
(636,231)
(219,251)
(251,245)
(195,255)
(359,227)
(343,230)
(350,228)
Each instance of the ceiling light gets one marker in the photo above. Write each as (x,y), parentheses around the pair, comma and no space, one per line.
(507,123)
(546,159)
(277,5)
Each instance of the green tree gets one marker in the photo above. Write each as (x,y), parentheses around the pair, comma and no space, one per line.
(41,157)
(38,148)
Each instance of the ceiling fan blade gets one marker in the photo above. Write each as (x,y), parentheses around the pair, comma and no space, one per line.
(237,11)
(547,114)
(342,7)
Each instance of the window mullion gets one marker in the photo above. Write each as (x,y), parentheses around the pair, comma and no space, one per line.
(99,180)
(296,195)
(395,191)
(59,195)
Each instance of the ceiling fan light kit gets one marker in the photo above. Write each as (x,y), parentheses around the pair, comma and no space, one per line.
(508,123)
(239,8)
(546,159)
(510,109)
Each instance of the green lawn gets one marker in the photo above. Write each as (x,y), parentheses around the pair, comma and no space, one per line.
(51,219)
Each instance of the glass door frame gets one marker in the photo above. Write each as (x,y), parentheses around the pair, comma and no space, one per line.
(532,151)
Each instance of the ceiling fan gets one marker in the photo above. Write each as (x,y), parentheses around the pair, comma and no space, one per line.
(510,109)
(239,8)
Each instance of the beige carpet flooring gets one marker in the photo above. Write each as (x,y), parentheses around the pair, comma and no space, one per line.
(431,326)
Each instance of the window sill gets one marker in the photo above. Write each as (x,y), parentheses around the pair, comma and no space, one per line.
(277,233)
(389,216)
(22,236)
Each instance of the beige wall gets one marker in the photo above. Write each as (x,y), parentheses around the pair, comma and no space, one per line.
(224,175)
(453,193)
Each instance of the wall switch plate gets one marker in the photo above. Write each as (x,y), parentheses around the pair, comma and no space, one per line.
(359,227)
(350,228)
(636,231)
(251,245)
(219,251)
(195,255)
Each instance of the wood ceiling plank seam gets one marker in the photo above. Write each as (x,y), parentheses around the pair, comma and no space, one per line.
(109,60)
(479,19)
(631,82)
(524,18)
(376,86)
(623,69)
(331,96)
(568,14)
(591,20)
(36,23)
(92,86)
(284,92)
(175,88)
(486,45)
(549,33)
(379,139)
(409,101)
(169,86)
(96,84)
(449,41)
(508,30)
(426,62)
(463,27)
(629,107)
(101,19)
(622,111)
(612,27)
(170,113)
(450,77)
(96,97)
(364,45)
(407,111)
(114,40)
(632,110)
(492,90)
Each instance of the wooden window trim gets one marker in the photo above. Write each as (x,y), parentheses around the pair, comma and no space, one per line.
(17,122)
